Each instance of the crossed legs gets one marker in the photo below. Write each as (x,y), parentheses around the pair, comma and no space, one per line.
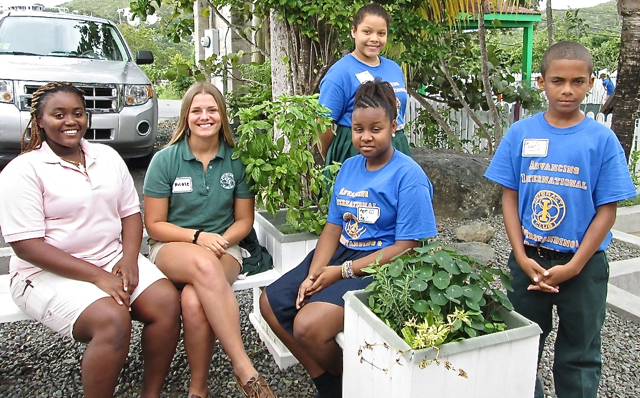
(209,308)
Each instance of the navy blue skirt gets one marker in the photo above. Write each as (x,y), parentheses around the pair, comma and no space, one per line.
(282,294)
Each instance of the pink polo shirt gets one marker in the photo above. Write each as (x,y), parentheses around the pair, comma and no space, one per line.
(42,196)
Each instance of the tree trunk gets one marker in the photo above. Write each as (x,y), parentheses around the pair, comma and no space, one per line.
(550,23)
(465,105)
(627,98)
(281,79)
(497,124)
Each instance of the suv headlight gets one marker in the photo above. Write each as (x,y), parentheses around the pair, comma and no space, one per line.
(137,95)
(6,91)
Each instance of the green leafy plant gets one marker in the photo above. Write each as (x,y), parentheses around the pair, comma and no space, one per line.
(276,141)
(633,170)
(436,295)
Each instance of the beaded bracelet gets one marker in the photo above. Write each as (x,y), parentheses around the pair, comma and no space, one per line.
(347,270)
(195,236)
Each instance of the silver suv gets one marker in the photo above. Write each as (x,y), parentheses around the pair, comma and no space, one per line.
(40,47)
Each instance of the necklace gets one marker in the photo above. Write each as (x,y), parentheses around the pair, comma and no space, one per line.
(79,164)
(365,62)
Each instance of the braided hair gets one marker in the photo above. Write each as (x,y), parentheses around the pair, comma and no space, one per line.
(32,136)
(377,94)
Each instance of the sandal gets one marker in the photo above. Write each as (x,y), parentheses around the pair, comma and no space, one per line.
(256,387)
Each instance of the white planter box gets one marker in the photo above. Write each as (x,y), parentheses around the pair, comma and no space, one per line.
(498,365)
(287,251)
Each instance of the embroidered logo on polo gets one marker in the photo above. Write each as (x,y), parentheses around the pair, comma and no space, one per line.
(548,210)
(227,181)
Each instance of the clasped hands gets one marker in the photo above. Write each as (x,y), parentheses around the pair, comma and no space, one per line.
(213,242)
(317,281)
(547,280)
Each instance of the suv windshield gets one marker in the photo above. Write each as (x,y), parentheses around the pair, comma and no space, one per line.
(59,37)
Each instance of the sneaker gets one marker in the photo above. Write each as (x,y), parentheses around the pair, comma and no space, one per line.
(256,387)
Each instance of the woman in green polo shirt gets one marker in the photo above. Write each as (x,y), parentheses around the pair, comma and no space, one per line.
(198,206)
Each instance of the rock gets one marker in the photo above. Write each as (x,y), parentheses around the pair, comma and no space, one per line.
(460,189)
(477,250)
(475,232)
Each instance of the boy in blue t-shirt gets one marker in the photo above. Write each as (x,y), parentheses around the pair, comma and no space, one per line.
(562,175)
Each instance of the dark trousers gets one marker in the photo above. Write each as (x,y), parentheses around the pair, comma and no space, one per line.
(581,305)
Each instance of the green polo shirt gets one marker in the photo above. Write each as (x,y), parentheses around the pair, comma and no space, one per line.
(197,200)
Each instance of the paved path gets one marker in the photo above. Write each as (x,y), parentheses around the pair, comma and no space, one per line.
(168,108)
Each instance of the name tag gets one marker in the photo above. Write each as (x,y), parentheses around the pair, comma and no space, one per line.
(364,77)
(368,215)
(533,148)
(182,185)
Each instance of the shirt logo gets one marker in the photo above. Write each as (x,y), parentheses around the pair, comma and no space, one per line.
(182,185)
(352,226)
(548,210)
(227,181)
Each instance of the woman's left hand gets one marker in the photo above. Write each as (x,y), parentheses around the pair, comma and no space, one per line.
(213,242)
(325,277)
(127,269)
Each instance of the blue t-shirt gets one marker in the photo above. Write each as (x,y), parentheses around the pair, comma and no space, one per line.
(561,175)
(608,85)
(378,208)
(338,87)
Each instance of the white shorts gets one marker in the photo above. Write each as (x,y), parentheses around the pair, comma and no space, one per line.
(155,246)
(57,302)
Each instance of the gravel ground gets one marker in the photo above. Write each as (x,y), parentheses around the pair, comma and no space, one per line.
(36,362)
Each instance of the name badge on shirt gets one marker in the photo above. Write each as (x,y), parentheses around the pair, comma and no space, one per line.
(182,185)
(364,77)
(534,148)
(368,215)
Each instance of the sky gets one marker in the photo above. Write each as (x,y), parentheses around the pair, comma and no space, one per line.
(564,4)
(557,4)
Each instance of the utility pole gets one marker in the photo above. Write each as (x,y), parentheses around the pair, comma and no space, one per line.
(200,23)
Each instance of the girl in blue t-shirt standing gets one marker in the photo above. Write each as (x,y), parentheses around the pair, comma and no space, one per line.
(380,206)
(338,87)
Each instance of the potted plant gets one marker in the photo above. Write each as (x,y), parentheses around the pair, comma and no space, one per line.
(276,142)
(436,323)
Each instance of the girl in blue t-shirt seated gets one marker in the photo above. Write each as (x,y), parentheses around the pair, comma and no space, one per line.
(381,205)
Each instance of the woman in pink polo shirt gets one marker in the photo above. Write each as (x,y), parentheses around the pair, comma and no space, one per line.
(72,217)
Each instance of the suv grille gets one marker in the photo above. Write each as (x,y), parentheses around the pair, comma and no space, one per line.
(98,98)
(103,98)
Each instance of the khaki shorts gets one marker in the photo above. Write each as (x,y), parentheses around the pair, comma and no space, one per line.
(57,302)
(155,246)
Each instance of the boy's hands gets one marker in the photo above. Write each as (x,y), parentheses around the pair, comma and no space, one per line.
(557,275)
(538,276)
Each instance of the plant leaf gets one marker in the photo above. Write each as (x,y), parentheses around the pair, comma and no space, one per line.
(438,297)
(464,266)
(421,306)
(418,285)
(395,268)
(472,292)
(441,280)
(472,304)
(454,291)
(425,273)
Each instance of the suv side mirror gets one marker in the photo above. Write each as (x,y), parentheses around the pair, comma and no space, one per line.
(144,57)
